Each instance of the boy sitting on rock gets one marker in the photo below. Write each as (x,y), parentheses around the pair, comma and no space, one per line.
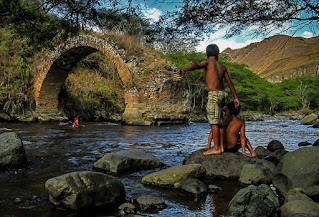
(233,131)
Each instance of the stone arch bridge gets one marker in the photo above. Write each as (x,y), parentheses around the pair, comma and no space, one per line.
(159,100)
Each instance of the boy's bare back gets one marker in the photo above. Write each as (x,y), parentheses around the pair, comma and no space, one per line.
(214,73)
(233,126)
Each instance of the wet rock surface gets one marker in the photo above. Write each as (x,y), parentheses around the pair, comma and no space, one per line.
(254,201)
(225,165)
(298,169)
(126,161)
(150,203)
(174,176)
(12,153)
(85,189)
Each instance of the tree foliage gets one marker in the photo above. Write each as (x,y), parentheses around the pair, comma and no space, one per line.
(199,16)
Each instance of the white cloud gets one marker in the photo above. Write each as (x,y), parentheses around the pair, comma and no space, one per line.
(153,14)
(217,38)
(307,34)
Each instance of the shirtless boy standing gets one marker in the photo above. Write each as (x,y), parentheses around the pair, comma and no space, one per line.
(233,130)
(215,74)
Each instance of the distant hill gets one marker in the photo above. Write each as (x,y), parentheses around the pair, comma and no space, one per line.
(280,57)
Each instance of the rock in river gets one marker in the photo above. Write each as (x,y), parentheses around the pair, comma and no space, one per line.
(299,169)
(255,175)
(254,201)
(309,119)
(194,186)
(12,154)
(85,189)
(306,207)
(150,203)
(173,177)
(126,161)
(226,165)
(275,145)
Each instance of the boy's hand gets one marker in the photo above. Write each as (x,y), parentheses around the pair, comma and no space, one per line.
(236,102)
(181,71)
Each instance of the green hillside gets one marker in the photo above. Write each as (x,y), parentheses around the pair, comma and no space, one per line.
(254,92)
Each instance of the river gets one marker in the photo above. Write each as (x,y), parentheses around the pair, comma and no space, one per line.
(54,149)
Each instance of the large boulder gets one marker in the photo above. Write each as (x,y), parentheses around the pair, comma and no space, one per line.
(254,201)
(173,177)
(226,165)
(309,119)
(85,189)
(253,174)
(12,154)
(299,207)
(126,161)
(298,169)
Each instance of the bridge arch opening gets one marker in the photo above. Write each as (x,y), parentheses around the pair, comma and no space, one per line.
(82,82)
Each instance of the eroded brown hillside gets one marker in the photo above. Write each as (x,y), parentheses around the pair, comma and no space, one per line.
(280,57)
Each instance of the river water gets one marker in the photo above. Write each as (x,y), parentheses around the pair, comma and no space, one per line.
(54,149)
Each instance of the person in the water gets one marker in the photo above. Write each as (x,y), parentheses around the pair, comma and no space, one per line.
(233,132)
(76,122)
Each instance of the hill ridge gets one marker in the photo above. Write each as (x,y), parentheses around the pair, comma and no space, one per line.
(280,57)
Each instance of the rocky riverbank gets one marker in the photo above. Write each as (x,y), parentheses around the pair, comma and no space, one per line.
(307,118)
(296,187)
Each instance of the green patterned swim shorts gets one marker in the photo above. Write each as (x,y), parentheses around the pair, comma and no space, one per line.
(215,103)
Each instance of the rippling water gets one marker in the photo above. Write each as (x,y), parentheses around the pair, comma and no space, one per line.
(54,149)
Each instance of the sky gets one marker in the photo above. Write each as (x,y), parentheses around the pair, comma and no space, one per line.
(154,9)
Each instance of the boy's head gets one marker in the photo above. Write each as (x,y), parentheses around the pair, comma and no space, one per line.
(232,109)
(212,50)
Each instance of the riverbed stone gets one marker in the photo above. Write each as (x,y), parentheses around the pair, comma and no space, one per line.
(316,143)
(298,169)
(126,208)
(261,152)
(276,156)
(174,176)
(296,194)
(150,203)
(214,188)
(12,153)
(254,201)
(275,145)
(306,143)
(126,161)
(253,174)
(194,186)
(4,117)
(84,190)
(309,119)
(226,165)
(299,207)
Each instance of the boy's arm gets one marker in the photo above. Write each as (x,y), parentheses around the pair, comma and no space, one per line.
(192,67)
(244,141)
(250,148)
(232,89)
